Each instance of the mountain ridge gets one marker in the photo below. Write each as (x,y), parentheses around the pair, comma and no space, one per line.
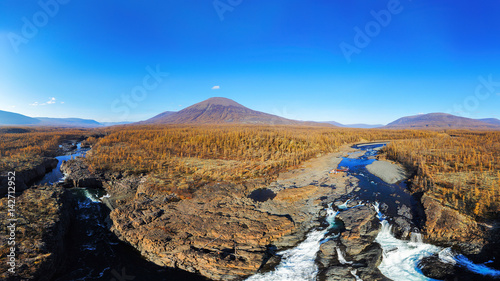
(8,118)
(439,120)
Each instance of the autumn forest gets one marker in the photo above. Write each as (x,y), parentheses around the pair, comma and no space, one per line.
(461,167)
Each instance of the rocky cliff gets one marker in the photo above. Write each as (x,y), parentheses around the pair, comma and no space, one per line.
(25,177)
(446,226)
(221,233)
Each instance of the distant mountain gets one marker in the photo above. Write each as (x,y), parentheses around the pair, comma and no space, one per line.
(107,124)
(492,121)
(362,126)
(439,121)
(16,119)
(221,111)
(68,122)
(160,116)
(334,123)
(11,118)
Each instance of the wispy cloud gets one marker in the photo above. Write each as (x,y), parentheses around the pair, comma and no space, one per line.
(50,101)
(215,87)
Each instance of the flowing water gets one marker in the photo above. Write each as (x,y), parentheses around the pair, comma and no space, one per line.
(97,254)
(400,257)
(56,175)
(298,264)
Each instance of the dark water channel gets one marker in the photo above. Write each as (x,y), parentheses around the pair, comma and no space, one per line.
(395,199)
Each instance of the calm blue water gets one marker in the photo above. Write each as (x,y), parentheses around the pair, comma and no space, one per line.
(56,175)
(373,189)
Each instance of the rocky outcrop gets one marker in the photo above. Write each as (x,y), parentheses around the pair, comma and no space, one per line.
(361,227)
(78,174)
(220,233)
(26,177)
(446,226)
(43,218)
(434,268)
(354,252)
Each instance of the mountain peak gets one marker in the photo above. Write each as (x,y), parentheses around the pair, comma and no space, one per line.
(218,110)
(219,101)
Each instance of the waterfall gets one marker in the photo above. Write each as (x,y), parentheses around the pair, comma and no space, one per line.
(298,264)
(91,197)
(343,206)
(341,257)
(400,258)
(354,273)
(447,256)
(416,237)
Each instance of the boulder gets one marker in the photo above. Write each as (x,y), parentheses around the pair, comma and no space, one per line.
(78,174)
(434,268)
(361,228)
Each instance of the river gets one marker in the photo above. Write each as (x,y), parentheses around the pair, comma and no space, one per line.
(97,254)
(400,257)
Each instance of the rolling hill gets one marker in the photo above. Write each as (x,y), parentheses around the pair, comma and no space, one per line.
(16,119)
(11,118)
(360,126)
(492,121)
(219,110)
(439,121)
(68,122)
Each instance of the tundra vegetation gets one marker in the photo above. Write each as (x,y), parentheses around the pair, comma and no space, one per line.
(460,167)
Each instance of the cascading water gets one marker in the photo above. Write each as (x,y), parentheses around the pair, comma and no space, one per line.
(400,258)
(298,264)
(341,257)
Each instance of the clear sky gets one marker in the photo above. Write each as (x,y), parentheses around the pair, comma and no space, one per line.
(323,60)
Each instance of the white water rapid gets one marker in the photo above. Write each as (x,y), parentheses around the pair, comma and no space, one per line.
(298,264)
(400,257)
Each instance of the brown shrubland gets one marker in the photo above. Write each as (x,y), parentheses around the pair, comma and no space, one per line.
(22,148)
(182,158)
(460,167)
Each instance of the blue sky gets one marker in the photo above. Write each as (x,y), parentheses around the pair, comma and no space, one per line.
(95,59)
